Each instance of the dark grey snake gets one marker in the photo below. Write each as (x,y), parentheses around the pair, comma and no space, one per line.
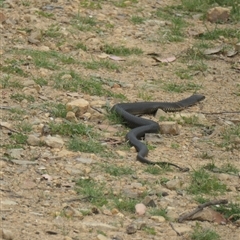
(140,126)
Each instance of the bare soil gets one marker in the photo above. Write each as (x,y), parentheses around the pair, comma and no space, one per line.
(34,196)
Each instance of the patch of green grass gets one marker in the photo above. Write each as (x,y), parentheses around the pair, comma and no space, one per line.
(123,3)
(58,110)
(41,81)
(183,87)
(91,4)
(154,170)
(230,210)
(205,155)
(118,171)
(81,45)
(143,94)
(219,32)
(95,65)
(225,168)
(159,212)
(77,83)
(150,230)
(93,192)
(193,120)
(47,59)
(121,50)
(175,31)
(83,23)
(53,31)
(204,5)
(125,204)
(20,97)
(19,138)
(24,127)
(201,233)
(230,137)
(137,20)
(45,14)
(13,67)
(175,145)
(70,129)
(6,83)
(88,145)
(18,111)
(204,183)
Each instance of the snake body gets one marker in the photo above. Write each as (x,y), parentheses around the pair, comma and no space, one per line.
(140,126)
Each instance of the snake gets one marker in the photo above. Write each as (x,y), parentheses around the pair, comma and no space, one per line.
(129,112)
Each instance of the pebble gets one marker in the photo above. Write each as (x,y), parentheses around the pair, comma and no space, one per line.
(54,142)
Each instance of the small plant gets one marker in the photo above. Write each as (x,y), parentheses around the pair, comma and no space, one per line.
(175,145)
(155,170)
(174,87)
(137,20)
(229,137)
(19,138)
(90,146)
(143,94)
(25,127)
(41,81)
(150,230)
(83,23)
(159,212)
(118,171)
(45,14)
(225,168)
(20,97)
(204,183)
(205,155)
(58,110)
(231,210)
(121,50)
(82,46)
(70,129)
(94,65)
(92,191)
(204,234)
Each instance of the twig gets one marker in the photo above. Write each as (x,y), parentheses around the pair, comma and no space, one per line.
(200,208)
(5,107)
(9,129)
(174,229)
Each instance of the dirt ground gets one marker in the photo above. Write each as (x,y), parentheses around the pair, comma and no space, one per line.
(38,183)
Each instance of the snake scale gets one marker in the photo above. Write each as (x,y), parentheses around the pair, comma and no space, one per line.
(139,126)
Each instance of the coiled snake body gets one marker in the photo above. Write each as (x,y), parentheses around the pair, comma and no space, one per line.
(140,126)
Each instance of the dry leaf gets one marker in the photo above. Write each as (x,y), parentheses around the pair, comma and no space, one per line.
(165,60)
(116,58)
(210,51)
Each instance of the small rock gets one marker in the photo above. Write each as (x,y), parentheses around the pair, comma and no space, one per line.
(8,202)
(121,153)
(71,116)
(2,18)
(160,114)
(23,162)
(84,160)
(174,184)
(140,209)
(69,212)
(6,234)
(102,237)
(79,107)
(54,142)
(33,140)
(182,229)
(218,14)
(15,153)
(159,219)
(169,128)
(132,228)
(149,202)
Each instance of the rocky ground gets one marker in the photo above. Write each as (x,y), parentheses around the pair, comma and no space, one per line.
(56,52)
